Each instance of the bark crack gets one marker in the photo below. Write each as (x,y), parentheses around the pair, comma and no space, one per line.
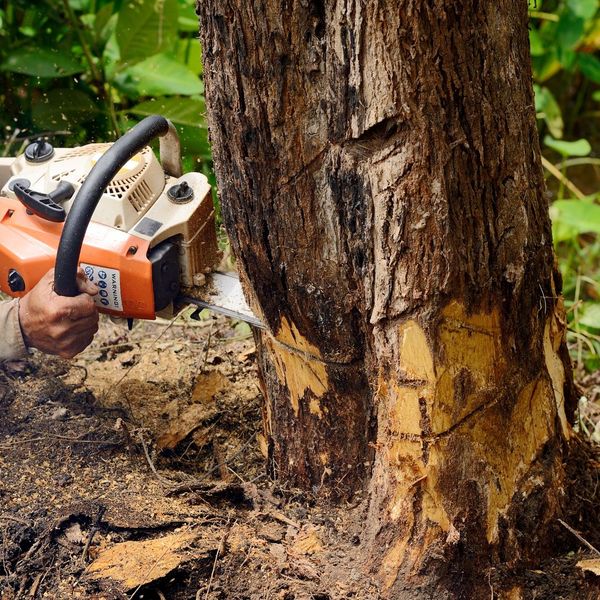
(475,412)
(431,439)
(305,167)
(458,325)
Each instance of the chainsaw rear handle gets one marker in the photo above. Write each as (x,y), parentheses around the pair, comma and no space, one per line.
(90,192)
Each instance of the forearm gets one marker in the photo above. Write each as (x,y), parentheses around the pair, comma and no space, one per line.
(12,344)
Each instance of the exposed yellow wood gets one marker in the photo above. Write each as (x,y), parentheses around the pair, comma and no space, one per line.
(553,336)
(406,461)
(314,406)
(133,564)
(308,542)
(263,445)
(394,557)
(509,444)
(415,356)
(408,477)
(485,321)
(458,402)
(288,334)
(403,552)
(405,414)
(515,593)
(472,365)
(591,564)
(295,368)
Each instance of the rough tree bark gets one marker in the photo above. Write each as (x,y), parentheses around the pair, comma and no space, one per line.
(379,173)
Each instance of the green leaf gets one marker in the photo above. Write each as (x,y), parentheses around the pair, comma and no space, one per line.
(578,148)
(188,53)
(560,231)
(79,4)
(590,315)
(590,66)
(242,329)
(569,30)
(188,20)
(160,75)
(42,62)
(105,22)
(194,140)
(592,363)
(547,65)
(535,43)
(111,57)
(548,109)
(62,109)
(145,28)
(188,116)
(582,216)
(567,58)
(27,30)
(596,95)
(181,111)
(585,9)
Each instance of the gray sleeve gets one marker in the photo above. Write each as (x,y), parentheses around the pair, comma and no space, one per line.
(12,345)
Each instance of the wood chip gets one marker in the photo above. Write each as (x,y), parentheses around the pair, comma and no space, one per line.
(134,564)
(308,542)
(246,355)
(592,565)
(204,408)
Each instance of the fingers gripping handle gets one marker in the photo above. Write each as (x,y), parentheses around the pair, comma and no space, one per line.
(80,215)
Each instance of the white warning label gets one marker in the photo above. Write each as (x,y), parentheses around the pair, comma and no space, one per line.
(109,282)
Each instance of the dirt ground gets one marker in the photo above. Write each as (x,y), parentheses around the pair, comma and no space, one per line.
(138,471)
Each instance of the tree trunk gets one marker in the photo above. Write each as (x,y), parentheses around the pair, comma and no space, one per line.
(379,172)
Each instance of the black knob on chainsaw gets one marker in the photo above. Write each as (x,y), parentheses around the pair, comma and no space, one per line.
(15,281)
(180,193)
(39,151)
(45,205)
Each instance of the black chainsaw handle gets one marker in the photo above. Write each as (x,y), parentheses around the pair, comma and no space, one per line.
(101,174)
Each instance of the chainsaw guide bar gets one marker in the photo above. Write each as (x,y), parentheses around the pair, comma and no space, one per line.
(222,294)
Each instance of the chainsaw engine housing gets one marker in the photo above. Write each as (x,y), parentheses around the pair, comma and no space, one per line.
(150,232)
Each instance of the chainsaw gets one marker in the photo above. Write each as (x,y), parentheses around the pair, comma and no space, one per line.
(142,231)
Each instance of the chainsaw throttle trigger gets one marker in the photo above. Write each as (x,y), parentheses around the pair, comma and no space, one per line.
(45,205)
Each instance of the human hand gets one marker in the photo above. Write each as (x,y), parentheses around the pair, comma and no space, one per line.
(59,324)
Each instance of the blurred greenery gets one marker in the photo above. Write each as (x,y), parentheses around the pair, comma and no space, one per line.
(565,40)
(86,70)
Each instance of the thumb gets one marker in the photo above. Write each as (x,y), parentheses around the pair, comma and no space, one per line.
(85,285)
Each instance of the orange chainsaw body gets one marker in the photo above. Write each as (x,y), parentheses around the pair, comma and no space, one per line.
(152,230)
(29,245)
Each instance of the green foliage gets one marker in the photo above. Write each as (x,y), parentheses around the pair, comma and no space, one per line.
(565,38)
(577,148)
(159,75)
(42,62)
(81,70)
(145,29)
(548,109)
(574,217)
